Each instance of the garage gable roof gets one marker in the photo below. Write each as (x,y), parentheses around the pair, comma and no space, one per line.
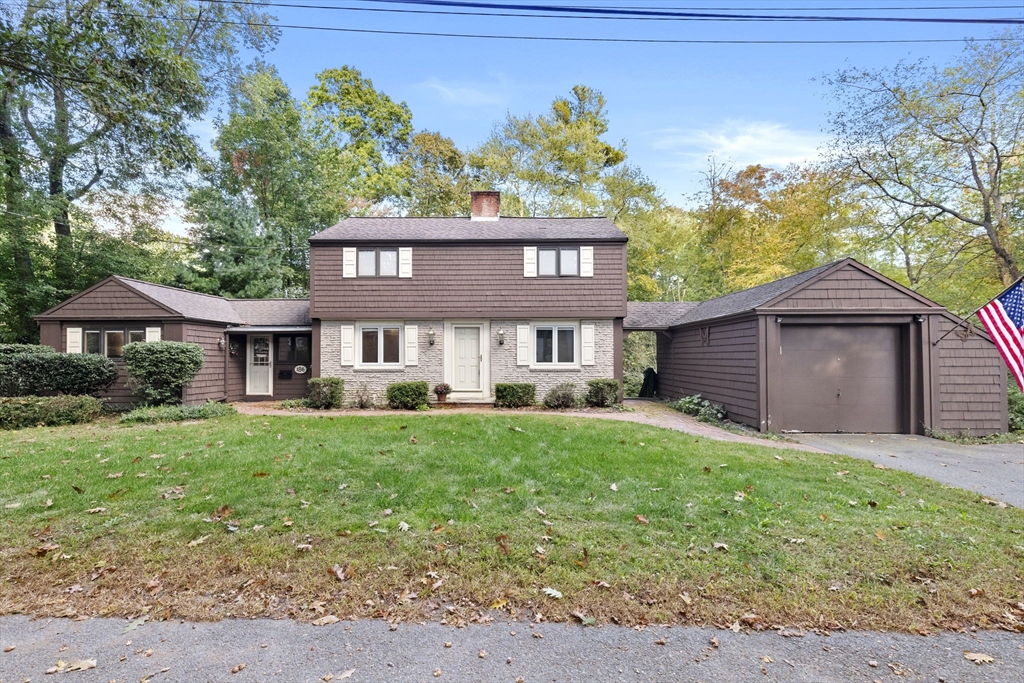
(655,315)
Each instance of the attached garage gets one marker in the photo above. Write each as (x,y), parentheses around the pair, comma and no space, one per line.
(839,348)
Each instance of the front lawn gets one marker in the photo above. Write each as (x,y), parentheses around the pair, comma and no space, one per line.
(443,516)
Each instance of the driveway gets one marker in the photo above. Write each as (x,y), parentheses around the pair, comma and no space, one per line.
(993,470)
(368,651)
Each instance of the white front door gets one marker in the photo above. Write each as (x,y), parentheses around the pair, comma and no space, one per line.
(261,366)
(467,359)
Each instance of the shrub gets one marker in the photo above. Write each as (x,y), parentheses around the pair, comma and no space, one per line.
(202,411)
(73,374)
(602,392)
(515,395)
(29,411)
(442,389)
(325,392)
(690,405)
(11,349)
(561,396)
(1015,407)
(407,395)
(701,408)
(158,371)
(364,400)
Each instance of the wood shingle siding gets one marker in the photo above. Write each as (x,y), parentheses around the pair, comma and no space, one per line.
(468,281)
(971,384)
(109,296)
(208,385)
(848,288)
(723,371)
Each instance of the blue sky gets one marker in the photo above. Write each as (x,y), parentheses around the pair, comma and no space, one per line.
(673,104)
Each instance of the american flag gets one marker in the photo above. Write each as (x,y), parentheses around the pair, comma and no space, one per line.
(1003,317)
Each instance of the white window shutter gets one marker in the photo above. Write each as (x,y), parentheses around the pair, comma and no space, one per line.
(587,344)
(74,337)
(412,344)
(522,344)
(529,261)
(348,262)
(586,262)
(152,334)
(348,344)
(405,262)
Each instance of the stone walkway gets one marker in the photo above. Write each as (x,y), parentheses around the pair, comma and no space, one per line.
(654,413)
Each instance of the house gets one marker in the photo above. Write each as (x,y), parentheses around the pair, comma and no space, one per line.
(839,348)
(484,299)
(470,301)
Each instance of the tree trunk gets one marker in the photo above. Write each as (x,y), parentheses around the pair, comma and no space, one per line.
(56,166)
(14,221)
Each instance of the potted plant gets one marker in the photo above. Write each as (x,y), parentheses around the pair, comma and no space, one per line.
(442,390)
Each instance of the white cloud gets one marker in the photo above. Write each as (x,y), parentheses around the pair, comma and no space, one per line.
(738,142)
(466,94)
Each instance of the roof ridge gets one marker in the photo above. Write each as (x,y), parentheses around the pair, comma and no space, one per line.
(172,288)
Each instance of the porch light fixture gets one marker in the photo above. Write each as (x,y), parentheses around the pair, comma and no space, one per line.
(919,318)
(778,318)
(430,335)
(501,336)
(221,343)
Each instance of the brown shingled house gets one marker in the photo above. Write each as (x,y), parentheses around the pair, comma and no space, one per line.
(484,299)
(839,348)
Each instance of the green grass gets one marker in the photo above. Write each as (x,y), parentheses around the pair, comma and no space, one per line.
(871,548)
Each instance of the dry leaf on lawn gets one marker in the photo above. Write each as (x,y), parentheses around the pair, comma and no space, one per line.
(346,674)
(96,511)
(198,541)
(721,546)
(880,535)
(978,658)
(324,621)
(502,541)
(640,519)
(552,593)
(614,487)
(81,665)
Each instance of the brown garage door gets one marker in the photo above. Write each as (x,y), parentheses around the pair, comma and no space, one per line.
(841,378)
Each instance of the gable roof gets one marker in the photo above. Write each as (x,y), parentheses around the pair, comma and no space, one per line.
(205,307)
(505,229)
(655,315)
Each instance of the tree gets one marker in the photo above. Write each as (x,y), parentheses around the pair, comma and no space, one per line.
(234,256)
(367,130)
(438,184)
(939,149)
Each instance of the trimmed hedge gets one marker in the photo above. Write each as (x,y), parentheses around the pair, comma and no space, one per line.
(325,392)
(602,393)
(158,371)
(407,395)
(73,374)
(30,411)
(515,395)
(201,411)
(561,396)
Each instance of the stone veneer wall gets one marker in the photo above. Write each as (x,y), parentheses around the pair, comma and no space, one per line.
(375,382)
(431,360)
(504,368)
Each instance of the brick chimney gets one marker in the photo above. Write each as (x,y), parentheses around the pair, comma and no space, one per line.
(484,206)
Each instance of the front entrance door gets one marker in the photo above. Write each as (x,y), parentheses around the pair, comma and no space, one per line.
(467,359)
(261,362)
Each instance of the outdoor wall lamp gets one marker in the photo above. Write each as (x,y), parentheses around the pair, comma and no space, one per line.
(221,343)
(778,318)
(501,336)
(919,318)
(430,335)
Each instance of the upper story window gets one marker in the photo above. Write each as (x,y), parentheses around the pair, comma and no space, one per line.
(377,262)
(558,262)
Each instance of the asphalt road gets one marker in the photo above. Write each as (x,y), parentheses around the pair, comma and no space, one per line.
(993,470)
(294,651)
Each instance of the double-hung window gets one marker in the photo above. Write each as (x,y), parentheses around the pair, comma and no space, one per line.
(380,344)
(555,345)
(561,262)
(377,263)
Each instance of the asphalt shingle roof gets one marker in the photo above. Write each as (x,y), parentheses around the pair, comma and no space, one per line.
(507,229)
(198,306)
(655,315)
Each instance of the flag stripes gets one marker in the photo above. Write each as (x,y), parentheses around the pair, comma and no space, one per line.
(1004,329)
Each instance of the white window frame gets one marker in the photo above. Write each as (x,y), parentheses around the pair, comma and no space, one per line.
(558,261)
(555,326)
(379,326)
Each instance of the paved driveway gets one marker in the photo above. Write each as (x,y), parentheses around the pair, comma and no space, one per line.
(993,470)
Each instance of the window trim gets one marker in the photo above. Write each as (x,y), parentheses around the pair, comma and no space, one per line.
(376,262)
(102,330)
(554,326)
(380,327)
(558,261)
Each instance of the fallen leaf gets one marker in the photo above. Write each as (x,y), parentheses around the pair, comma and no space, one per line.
(541,512)
(686,598)
(880,535)
(749,619)
(115,475)
(346,674)
(288,521)
(260,475)
(327,620)
(714,642)
(43,549)
(499,603)
(641,519)
(96,511)
(304,546)
(502,541)
(878,466)
(660,641)
(552,593)
(198,541)
(437,673)
(9,648)
(721,546)
(977,592)
(412,439)
(402,526)
(242,665)
(614,487)
(81,665)
(448,643)
(767,660)
(978,658)
(601,584)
